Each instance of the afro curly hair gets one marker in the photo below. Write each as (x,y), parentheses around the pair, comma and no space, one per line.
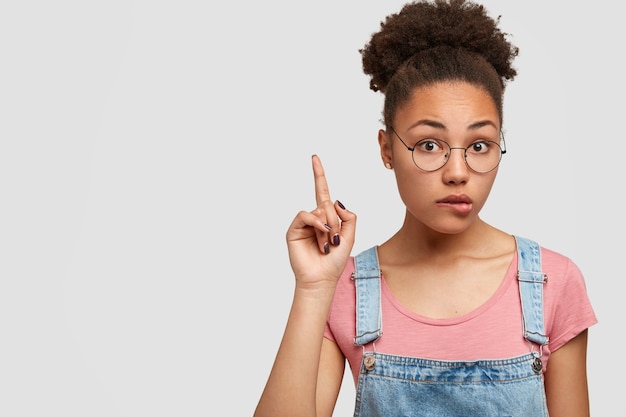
(435,41)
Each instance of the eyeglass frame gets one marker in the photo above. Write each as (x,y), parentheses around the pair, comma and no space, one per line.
(411,149)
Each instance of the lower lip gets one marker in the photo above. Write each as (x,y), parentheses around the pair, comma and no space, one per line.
(460,208)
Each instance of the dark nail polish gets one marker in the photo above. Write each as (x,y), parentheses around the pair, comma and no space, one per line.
(328,227)
(336,239)
(341,205)
(326,248)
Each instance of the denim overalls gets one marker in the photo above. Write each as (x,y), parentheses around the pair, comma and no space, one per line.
(393,386)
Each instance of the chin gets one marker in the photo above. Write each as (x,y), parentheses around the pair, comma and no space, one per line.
(452,227)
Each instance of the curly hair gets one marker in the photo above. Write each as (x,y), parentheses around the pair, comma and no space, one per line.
(434,41)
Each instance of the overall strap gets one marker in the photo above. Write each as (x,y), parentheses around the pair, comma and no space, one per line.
(367,277)
(531,281)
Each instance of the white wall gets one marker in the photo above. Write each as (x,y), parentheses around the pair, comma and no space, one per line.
(153,153)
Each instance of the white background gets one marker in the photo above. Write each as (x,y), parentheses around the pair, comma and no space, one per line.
(153,153)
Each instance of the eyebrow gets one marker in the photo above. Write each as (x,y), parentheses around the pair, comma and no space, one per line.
(439,125)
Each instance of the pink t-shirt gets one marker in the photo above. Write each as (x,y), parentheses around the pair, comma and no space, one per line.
(492,331)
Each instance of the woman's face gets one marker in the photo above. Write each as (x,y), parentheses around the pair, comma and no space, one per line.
(448,199)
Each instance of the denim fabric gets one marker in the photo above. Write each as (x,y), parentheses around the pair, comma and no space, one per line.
(531,280)
(395,386)
(401,386)
(366,278)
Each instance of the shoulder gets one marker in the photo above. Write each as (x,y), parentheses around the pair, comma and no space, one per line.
(563,277)
(568,307)
(553,263)
(559,266)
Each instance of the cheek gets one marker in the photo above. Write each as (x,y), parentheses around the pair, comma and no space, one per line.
(419,190)
(482,190)
(414,187)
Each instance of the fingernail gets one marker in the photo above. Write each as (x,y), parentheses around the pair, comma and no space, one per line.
(341,205)
(328,227)
(326,248)
(336,239)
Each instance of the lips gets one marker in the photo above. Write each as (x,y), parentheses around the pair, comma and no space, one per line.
(455,199)
(460,204)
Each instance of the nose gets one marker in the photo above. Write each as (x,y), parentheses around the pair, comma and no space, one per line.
(456,171)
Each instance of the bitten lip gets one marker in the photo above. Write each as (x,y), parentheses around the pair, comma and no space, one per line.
(455,199)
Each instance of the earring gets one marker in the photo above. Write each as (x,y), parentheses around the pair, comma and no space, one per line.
(388,165)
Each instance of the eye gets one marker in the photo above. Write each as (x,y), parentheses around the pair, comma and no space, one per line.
(430,146)
(480,147)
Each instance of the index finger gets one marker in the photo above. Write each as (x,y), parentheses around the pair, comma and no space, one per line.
(321,187)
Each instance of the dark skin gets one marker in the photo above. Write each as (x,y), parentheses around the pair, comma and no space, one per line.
(318,363)
(442,235)
(566,379)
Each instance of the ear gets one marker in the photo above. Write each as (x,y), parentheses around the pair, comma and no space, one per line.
(386,154)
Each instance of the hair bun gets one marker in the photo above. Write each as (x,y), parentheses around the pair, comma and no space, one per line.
(423,25)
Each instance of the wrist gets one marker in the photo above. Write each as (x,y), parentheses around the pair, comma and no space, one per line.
(318,292)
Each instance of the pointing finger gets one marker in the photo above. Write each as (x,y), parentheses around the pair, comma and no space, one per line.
(322,194)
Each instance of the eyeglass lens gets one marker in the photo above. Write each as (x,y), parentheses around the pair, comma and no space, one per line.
(432,154)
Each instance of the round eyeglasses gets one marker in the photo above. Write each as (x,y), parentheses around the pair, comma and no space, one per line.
(481,156)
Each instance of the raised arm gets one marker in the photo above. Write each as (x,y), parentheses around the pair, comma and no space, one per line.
(319,244)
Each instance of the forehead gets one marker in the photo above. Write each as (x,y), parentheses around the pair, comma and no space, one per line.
(450,104)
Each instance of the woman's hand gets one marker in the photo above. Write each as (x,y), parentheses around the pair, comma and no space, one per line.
(320,241)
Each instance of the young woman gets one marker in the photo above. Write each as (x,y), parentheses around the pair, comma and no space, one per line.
(450,316)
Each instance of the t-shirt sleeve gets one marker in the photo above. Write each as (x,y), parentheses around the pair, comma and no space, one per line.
(571,311)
